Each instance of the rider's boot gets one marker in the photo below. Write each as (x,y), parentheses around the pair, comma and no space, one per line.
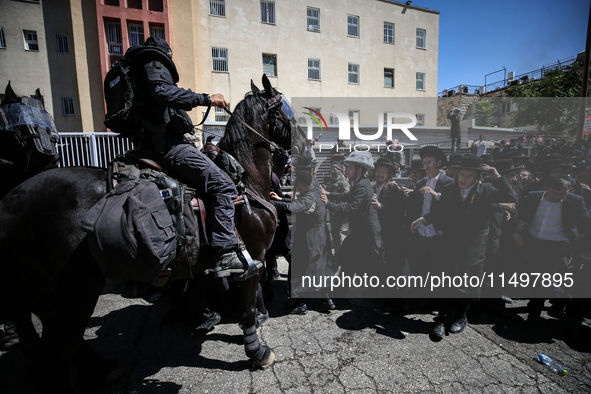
(227,261)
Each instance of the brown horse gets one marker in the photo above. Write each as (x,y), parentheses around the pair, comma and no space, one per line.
(48,268)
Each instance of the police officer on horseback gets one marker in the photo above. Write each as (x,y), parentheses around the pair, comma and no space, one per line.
(164,123)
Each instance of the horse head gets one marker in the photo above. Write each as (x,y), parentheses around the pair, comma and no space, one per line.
(27,138)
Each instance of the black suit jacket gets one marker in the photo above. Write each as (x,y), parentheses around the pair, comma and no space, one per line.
(392,213)
(575,217)
(415,199)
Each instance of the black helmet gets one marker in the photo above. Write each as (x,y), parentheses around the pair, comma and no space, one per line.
(160,44)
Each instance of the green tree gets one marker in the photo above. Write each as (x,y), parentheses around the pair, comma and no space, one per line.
(485,110)
(551,102)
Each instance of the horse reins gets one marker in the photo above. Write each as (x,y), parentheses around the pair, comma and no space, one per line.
(273,145)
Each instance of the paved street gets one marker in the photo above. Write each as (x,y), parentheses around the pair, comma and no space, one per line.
(354,349)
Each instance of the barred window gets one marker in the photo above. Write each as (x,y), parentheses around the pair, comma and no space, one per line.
(420,119)
(31,43)
(61,43)
(314,69)
(136,34)
(2,38)
(268,11)
(420,81)
(388,77)
(270,64)
(217,7)
(113,35)
(219,59)
(389,33)
(353,73)
(313,18)
(157,31)
(220,115)
(352,113)
(352,26)
(422,38)
(67,106)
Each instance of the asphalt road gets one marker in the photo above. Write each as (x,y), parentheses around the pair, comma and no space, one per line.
(354,349)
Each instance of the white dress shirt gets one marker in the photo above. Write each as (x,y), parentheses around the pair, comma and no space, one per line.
(547,222)
(428,231)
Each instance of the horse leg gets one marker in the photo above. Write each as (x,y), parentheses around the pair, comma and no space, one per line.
(65,316)
(262,355)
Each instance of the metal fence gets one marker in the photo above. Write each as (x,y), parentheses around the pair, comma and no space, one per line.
(91,149)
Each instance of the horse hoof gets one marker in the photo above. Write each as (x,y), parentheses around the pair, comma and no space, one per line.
(267,361)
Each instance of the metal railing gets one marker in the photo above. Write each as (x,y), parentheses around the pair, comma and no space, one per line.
(91,149)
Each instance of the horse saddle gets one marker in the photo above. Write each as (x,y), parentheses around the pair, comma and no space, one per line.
(138,160)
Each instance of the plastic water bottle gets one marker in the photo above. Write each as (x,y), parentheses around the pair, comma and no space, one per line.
(553,364)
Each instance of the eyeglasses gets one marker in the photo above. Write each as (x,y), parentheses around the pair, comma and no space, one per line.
(428,163)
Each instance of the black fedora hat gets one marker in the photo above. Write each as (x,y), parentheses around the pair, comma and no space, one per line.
(454,159)
(416,164)
(303,162)
(433,151)
(503,166)
(553,160)
(385,162)
(470,162)
(487,158)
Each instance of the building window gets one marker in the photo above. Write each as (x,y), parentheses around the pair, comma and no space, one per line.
(388,77)
(157,31)
(67,106)
(155,5)
(219,59)
(352,113)
(420,119)
(113,35)
(352,26)
(270,65)
(422,38)
(136,34)
(389,33)
(353,73)
(112,2)
(2,38)
(217,7)
(314,69)
(137,4)
(268,11)
(31,43)
(333,119)
(313,18)
(420,81)
(220,115)
(505,107)
(61,43)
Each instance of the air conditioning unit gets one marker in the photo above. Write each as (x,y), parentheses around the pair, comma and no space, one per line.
(463,89)
(451,93)
(482,89)
(510,76)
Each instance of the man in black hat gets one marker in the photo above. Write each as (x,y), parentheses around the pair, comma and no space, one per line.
(453,160)
(416,172)
(306,163)
(164,124)
(463,216)
(337,153)
(551,223)
(499,150)
(337,184)
(456,130)
(390,202)
(425,244)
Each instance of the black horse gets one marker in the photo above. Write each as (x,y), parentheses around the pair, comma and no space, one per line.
(27,139)
(49,270)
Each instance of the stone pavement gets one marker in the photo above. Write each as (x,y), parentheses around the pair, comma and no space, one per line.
(354,349)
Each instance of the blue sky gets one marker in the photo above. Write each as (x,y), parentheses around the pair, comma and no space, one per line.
(478,37)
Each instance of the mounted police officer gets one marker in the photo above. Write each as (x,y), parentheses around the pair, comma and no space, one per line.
(164,123)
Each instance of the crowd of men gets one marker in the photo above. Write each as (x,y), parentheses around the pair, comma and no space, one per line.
(463,214)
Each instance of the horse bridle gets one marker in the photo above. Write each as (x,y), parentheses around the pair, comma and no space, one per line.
(271,106)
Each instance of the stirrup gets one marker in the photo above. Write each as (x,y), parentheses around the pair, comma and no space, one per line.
(253,265)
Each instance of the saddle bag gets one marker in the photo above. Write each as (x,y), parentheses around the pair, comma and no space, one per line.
(131,232)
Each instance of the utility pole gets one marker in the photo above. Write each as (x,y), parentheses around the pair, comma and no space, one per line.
(583,102)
